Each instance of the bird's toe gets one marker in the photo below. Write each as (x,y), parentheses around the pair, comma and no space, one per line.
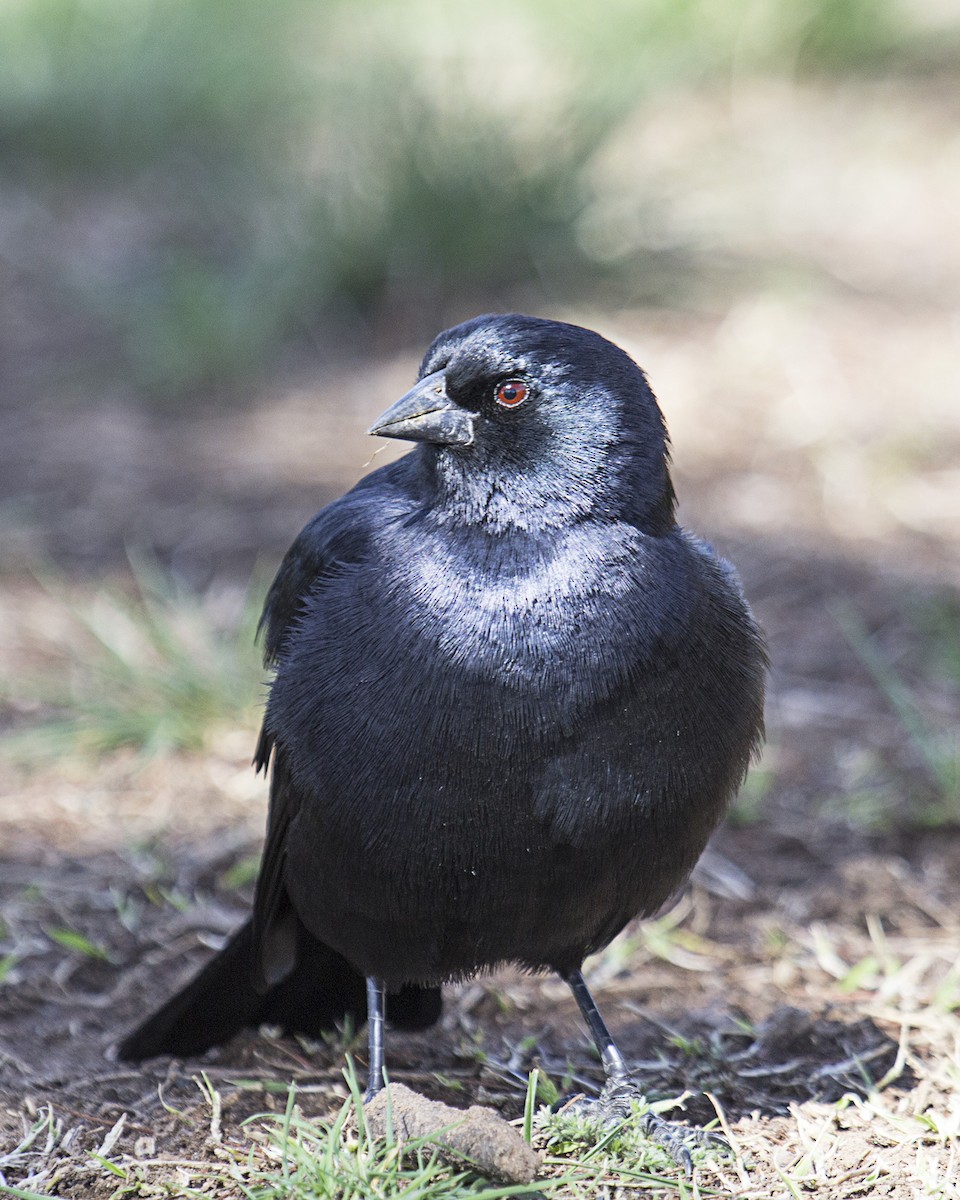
(620,1099)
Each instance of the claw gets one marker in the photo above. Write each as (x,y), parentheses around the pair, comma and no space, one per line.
(671,1138)
(616,1103)
(679,1140)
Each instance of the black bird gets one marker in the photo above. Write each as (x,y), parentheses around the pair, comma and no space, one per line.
(512,701)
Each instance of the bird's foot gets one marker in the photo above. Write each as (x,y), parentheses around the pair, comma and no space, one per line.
(622,1097)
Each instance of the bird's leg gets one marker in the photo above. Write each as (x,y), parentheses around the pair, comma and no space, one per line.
(613,1064)
(615,1102)
(375,1007)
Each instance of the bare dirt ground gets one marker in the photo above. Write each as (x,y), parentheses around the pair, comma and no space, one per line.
(817,957)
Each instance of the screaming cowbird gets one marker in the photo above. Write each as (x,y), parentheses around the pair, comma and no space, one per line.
(512,699)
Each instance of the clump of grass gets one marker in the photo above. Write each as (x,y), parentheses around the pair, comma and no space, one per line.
(935,749)
(339,1160)
(145,663)
(70,939)
(37,1145)
(622,1150)
(320,1160)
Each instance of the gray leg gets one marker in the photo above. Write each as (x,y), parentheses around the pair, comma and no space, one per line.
(375,1007)
(615,1102)
(610,1055)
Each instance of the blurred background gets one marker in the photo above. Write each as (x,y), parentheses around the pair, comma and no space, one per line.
(228,230)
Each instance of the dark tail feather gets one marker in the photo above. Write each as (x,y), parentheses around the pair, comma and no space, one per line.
(221,1000)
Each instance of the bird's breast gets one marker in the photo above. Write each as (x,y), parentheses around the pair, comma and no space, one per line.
(441,657)
(572,612)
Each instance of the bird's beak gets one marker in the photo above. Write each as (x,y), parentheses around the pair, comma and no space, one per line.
(427,414)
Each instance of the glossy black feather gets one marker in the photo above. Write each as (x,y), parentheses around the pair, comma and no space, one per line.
(512,698)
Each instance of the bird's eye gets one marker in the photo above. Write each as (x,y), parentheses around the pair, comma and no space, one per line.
(512,392)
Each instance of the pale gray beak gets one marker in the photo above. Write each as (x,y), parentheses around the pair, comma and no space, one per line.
(427,414)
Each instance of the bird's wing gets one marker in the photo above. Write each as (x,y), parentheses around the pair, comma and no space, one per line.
(334,540)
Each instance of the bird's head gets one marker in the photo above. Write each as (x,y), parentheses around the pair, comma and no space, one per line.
(532,423)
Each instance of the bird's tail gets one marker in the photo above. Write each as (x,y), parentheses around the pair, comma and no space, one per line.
(319,993)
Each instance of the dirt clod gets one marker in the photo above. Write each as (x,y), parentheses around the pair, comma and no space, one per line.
(476,1137)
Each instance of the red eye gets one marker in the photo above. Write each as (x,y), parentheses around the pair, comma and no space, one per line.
(512,393)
